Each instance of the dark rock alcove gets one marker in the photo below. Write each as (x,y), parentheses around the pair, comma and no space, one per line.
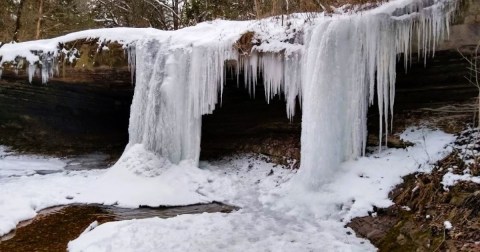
(247,124)
(87,110)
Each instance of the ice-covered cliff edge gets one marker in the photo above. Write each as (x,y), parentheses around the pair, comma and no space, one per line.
(335,64)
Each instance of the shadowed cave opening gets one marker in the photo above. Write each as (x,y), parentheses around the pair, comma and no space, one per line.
(244,123)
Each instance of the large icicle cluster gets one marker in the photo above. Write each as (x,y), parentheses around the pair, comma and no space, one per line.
(178,82)
(281,75)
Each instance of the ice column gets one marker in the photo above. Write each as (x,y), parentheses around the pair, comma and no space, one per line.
(174,88)
(348,61)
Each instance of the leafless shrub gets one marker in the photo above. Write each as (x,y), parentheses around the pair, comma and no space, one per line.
(474,76)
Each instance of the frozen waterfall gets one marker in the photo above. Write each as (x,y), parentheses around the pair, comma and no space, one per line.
(348,61)
(335,65)
(345,62)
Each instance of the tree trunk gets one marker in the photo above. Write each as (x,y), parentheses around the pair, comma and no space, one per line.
(18,22)
(478,109)
(39,20)
(257,9)
(176,21)
(274,8)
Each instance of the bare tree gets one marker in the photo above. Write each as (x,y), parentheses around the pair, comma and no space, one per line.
(474,75)
(257,8)
(39,20)
(18,22)
(161,14)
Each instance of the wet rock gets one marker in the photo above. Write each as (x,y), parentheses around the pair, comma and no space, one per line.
(401,239)
(373,228)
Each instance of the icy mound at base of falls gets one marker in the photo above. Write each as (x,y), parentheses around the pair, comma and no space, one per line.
(135,180)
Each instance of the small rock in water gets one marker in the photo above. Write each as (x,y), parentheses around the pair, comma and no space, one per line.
(69,197)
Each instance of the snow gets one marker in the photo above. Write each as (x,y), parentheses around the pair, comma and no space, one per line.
(266,221)
(216,232)
(18,165)
(90,227)
(31,183)
(466,147)
(450,179)
(270,220)
(448,225)
(135,180)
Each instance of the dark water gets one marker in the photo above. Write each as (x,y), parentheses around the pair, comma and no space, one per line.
(53,228)
(167,212)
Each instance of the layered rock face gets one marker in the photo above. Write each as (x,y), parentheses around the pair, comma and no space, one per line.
(464,31)
(83,109)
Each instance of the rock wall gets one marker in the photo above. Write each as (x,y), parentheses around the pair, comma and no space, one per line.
(84,109)
(465,30)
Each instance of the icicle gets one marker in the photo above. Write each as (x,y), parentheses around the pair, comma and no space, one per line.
(131,61)
(48,66)
(32,68)
(292,82)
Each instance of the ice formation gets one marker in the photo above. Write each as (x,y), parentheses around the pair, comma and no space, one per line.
(337,67)
(346,61)
(349,61)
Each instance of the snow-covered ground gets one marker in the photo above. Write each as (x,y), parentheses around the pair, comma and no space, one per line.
(15,165)
(29,184)
(467,147)
(275,215)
